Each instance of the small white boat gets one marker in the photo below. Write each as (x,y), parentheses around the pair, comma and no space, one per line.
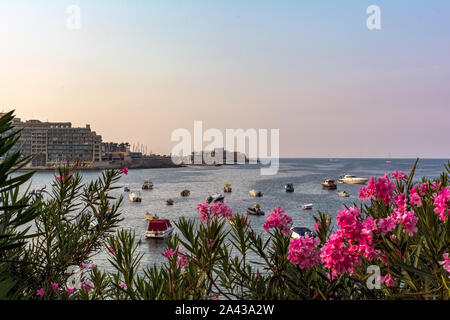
(308,206)
(350,179)
(215,197)
(254,193)
(343,194)
(159,229)
(135,196)
(126,188)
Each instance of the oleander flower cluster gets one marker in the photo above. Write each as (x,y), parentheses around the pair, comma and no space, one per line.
(279,220)
(217,209)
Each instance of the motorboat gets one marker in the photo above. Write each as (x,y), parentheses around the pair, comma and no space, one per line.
(169,202)
(308,206)
(350,179)
(147,185)
(151,216)
(343,194)
(227,187)
(254,194)
(215,197)
(256,210)
(159,229)
(185,193)
(298,232)
(135,196)
(289,187)
(126,188)
(329,184)
(38,193)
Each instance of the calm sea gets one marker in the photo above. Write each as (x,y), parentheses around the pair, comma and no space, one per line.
(306,174)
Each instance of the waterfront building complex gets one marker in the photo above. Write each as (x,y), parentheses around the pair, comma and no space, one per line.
(53,144)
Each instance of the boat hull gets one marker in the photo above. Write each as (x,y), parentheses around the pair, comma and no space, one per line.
(159,234)
(255,213)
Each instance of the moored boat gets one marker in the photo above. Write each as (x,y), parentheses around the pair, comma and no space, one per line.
(151,216)
(169,202)
(227,187)
(343,194)
(159,229)
(298,232)
(308,206)
(215,197)
(135,196)
(289,187)
(254,194)
(350,179)
(126,188)
(329,184)
(147,185)
(256,210)
(185,193)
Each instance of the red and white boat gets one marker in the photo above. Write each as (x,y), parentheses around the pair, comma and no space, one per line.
(159,229)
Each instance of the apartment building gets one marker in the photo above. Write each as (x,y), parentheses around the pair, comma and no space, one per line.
(56,143)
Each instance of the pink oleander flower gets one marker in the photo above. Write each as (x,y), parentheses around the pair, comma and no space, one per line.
(218,209)
(445,262)
(125,171)
(436,186)
(303,252)
(380,189)
(398,175)
(54,285)
(317,226)
(182,260)
(414,197)
(387,280)
(64,177)
(423,188)
(123,285)
(442,203)
(387,224)
(111,249)
(87,287)
(409,221)
(278,219)
(70,289)
(85,266)
(40,292)
(168,253)
(93,266)
(349,243)
(214,298)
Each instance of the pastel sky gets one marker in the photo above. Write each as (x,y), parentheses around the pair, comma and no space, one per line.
(137,70)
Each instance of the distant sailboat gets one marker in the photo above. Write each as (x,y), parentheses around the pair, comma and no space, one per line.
(389,161)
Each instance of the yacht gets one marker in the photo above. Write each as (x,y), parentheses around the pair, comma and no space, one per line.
(308,206)
(227,187)
(350,179)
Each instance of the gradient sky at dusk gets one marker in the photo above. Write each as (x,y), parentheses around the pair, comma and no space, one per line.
(137,70)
